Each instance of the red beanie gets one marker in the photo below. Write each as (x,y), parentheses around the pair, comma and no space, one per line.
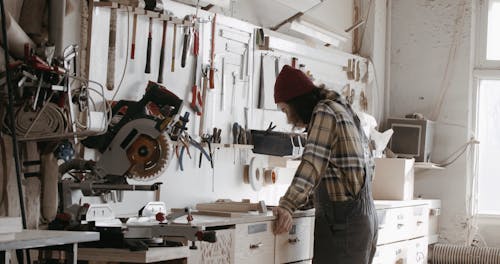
(291,83)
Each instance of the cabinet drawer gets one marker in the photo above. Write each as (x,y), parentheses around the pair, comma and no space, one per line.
(394,225)
(394,253)
(419,224)
(418,251)
(254,243)
(298,244)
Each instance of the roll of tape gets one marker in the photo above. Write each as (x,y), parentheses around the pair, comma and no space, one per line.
(246,174)
(270,176)
(256,173)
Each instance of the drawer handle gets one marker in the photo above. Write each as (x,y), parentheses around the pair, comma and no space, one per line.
(400,226)
(420,222)
(293,241)
(256,246)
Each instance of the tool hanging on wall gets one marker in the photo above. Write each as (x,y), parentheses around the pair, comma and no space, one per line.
(260,99)
(172,67)
(110,79)
(276,66)
(154,5)
(162,53)
(222,98)
(212,53)
(134,33)
(148,51)
(294,62)
(185,43)
(204,75)
(196,100)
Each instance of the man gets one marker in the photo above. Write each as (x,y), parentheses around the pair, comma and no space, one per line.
(336,168)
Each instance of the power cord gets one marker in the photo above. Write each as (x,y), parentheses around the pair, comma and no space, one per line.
(461,150)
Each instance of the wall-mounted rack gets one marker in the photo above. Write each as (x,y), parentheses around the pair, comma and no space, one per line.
(222,145)
(141,11)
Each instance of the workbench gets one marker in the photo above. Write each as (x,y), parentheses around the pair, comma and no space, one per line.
(241,238)
(27,239)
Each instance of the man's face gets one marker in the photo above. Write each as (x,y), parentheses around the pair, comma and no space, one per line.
(292,117)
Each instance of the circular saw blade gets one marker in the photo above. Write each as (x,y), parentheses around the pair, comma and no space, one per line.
(148,157)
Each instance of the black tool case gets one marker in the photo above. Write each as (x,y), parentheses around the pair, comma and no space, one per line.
(276,143)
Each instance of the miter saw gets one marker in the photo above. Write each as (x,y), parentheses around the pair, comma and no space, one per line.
(136,146)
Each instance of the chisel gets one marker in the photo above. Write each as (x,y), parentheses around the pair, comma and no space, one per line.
(162,53)
(212,54)
(185,45)
(134,32)
(148,51)
(110,78)
(172,67)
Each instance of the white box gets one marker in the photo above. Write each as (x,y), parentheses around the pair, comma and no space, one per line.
(393,179)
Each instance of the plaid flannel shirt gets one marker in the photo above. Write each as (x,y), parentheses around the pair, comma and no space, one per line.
(334,152)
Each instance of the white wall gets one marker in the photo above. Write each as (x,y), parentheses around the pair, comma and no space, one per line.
(374,48)
(194,185)
(422,35)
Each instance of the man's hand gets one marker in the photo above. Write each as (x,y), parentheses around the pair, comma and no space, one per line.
(283,220)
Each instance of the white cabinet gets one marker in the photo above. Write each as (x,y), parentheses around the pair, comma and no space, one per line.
(417,250)
(297,245)
(254,243)
(413,251)
(404,229)
(394,253)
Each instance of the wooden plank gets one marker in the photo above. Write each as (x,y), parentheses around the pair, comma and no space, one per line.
(125,255)
(232,206)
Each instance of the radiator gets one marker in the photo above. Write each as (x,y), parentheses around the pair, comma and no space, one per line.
(453,254)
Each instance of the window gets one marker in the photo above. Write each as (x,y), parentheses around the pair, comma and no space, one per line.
(487,95)
(489,149)
(488,35)
(492,36)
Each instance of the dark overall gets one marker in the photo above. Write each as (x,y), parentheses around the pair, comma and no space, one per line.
(345,232)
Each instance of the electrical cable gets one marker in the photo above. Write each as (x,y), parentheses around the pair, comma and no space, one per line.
(10,108)
(461,150)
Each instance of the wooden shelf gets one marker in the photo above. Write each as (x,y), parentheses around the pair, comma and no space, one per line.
(143,12)
(427,166)
(106,4)
(221,145)
(236,146)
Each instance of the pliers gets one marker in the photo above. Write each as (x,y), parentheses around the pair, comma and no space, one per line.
(196,145)
(206,138)
(270,128)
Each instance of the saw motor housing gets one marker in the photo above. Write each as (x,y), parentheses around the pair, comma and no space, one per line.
(138,145)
